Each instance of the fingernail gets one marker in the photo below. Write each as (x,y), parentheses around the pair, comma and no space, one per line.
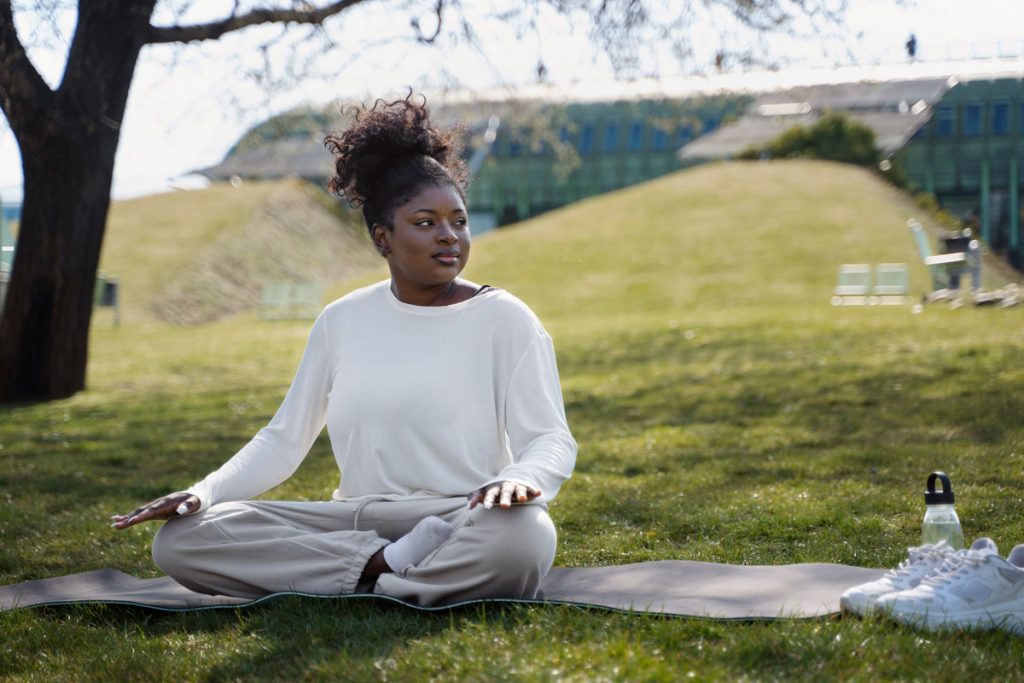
(183,509)
(114,525)
(488,505)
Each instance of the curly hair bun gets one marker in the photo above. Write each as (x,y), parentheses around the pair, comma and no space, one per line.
(390,154)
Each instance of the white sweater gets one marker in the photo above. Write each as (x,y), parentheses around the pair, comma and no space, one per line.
(418,401)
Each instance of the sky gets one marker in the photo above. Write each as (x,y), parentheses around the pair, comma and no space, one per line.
(189,105)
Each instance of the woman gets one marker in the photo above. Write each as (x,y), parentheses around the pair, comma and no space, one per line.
(441,398)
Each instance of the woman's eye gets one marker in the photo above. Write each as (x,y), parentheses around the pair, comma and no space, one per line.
(426,222)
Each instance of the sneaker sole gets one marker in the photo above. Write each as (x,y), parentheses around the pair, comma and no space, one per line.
(1008,618)
(861,606)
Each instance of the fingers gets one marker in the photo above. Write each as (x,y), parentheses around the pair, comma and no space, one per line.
(161,508)
(491,495)
(508,489)
(142,514)
(133,517)
(520,493)
(190,505)
(504,494)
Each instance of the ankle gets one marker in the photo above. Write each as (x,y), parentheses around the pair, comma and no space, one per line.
(411,549)
(375,566)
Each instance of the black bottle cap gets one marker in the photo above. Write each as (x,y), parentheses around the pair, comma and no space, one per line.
(943,497)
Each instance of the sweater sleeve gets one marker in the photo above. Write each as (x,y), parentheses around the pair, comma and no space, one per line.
(543,449)
(276,451)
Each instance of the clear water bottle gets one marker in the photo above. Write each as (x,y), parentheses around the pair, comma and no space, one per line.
(940,520)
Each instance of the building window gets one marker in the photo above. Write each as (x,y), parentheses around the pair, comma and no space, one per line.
(684,134)
(999,172)
(634,170)
(1000,118)
(945,121)
(611,137)
(515,148)
(483,191)
(636,136)
(659,138)
(972,120)
(587,138)
(970,173)
(945,171)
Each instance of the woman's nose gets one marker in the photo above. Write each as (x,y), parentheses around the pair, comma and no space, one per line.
(446,233)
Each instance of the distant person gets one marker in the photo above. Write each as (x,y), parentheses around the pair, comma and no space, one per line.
(441,398)
(912,47)
(972,221)
(965,241)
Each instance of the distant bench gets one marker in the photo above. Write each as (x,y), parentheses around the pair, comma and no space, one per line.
(107,294)
(854,286)
(290,300)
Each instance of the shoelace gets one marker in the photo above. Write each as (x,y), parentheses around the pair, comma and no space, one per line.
(955,568)
(915,556)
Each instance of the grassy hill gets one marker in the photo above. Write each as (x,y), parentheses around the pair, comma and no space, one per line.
(724,410)
(202,256)
(739,235)
(719,237)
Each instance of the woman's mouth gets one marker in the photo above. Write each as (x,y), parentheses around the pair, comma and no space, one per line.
(448,258)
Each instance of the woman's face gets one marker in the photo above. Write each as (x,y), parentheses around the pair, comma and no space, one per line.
(429,243)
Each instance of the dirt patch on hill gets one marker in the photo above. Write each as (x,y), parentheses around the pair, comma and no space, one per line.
(295,235)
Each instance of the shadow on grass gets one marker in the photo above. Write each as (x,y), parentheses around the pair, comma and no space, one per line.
(795,442)
(291,638)
(65,467)
(130,447)
(814,400)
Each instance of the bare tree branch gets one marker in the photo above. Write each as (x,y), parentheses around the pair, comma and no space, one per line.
(425,39)
(256,17)
(24,95)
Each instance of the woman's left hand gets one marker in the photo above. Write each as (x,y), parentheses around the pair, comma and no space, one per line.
(505,493)
(164,507)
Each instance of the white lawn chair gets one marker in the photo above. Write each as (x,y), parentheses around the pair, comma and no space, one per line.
(853,285)
(892,284)
(290,301)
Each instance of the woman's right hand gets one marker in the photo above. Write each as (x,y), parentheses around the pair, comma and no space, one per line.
(165,507)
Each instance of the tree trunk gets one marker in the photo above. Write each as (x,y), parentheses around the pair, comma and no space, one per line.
(44,330)
(68,164)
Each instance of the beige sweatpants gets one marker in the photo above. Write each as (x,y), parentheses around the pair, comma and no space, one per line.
(252,548)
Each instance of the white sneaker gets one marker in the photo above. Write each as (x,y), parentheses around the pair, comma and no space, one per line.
(982,546)
(920,562)
(984,591)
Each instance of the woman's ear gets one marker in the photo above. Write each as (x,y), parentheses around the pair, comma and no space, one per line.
(381,239)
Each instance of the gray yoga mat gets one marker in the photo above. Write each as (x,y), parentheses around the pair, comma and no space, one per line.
(671,587)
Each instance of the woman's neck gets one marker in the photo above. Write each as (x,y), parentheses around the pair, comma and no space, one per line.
(445,294)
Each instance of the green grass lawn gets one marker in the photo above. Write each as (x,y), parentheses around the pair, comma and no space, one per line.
(725,412)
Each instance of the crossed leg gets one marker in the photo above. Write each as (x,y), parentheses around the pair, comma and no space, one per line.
(252,548)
